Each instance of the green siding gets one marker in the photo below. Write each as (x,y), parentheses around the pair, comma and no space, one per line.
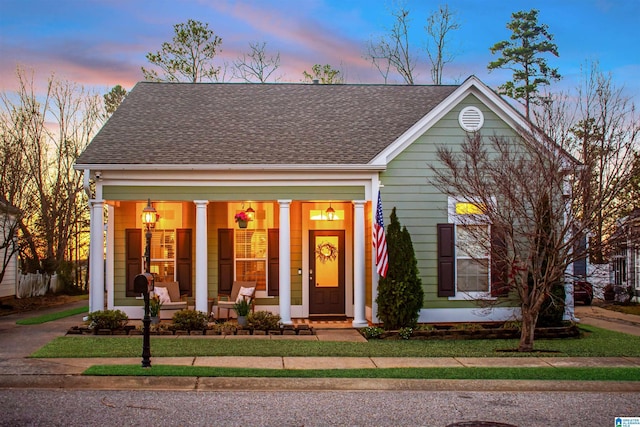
(212,193)
(419,205)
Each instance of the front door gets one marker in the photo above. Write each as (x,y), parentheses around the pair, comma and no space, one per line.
(326,272)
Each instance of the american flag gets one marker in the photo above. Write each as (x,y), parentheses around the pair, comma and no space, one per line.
(380,241)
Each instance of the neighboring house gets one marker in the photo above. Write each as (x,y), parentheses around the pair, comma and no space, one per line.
(624,265)
(8,251)
(288,154)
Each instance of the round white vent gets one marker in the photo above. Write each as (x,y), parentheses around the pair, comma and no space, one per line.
(471,119)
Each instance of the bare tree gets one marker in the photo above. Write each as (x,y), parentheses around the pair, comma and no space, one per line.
(439,25)
(522,186)
(392,51)
(257,64)
(605,139)
(51,133)
(599,126)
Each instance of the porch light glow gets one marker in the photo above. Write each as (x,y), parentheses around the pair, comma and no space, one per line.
(149,216)
(250,213)
(331,213)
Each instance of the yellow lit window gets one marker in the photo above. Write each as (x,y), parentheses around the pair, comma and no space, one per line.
(467,208)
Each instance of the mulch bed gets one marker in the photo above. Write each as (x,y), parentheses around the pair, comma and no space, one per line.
(450,333)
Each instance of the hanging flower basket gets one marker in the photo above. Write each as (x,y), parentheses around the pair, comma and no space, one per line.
(242,219)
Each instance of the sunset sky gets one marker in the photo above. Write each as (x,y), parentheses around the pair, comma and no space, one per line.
(101,43)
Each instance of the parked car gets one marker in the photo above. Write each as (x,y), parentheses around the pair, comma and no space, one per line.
(583,291)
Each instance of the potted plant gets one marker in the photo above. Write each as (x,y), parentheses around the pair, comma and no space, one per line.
(242,219)
(242,309)
(154,309)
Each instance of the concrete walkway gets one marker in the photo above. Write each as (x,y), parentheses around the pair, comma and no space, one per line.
(608,319)
(17,370)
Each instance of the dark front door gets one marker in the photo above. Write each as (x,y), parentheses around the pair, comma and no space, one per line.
(326,272)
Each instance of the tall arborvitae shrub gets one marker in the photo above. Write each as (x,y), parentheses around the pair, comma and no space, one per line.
(400,294)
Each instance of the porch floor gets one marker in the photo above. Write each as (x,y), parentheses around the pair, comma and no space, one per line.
(325,324)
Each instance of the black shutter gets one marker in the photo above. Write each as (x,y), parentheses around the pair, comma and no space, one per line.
(133,256)
(499,264)
(446,260)
(273,240)
(225,260)
(183,260)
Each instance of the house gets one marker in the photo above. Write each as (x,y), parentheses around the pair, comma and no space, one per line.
(306,162)
(624,267)
(8,251)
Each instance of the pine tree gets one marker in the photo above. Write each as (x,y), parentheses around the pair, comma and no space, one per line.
(523,54)
(400,294)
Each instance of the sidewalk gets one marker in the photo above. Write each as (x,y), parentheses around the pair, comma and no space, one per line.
(18,371)
(608,319)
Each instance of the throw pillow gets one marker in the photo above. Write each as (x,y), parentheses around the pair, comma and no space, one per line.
(244,292)
(163,294)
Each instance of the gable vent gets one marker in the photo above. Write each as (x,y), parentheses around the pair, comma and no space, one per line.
(471,119)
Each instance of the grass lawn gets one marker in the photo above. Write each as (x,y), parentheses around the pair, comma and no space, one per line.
(594,342)
(628,309)
(52,316)
(550,374)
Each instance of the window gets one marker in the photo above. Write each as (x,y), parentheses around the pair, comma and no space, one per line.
(251,256)
(251,244)
(163,254)
(472,258)
(619,262)
(472,248)
(163,240)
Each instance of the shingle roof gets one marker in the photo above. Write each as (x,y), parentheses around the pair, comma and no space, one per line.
(232,123)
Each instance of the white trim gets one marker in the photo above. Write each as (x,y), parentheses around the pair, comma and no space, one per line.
(229,167)
(471,296)
(285,261)
(96,256)
(458,315)
(110,256)
(359,269)
(471,86)
(201,283)
(468,220)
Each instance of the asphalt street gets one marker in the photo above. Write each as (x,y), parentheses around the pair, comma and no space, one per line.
(326,408)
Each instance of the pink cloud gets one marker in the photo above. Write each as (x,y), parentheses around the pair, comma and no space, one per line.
(304,39)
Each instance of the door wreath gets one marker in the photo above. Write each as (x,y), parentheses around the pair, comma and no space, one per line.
(326,252)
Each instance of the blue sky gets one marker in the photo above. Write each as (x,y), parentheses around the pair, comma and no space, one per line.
(101,43)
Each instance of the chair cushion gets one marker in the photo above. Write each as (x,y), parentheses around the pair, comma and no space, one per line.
(174,290)
(245,293)
(163,294)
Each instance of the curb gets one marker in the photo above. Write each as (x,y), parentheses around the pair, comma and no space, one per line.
(227,384)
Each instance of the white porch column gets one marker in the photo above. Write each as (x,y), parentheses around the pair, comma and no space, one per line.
(285,262)
(201,256)
(359,281)
(109,261)
(96,248)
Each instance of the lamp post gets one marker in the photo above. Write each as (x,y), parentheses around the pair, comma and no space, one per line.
(149,219)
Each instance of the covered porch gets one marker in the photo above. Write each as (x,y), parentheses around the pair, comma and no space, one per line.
(310,256)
